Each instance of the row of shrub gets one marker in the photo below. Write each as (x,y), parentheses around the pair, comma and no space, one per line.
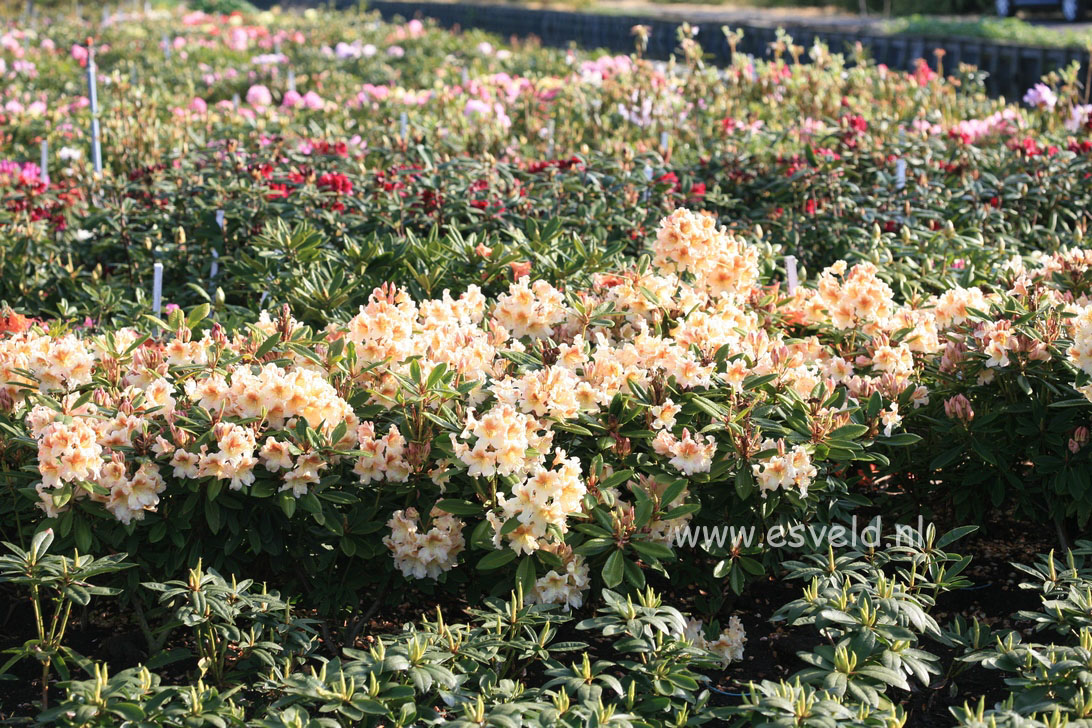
(543,334)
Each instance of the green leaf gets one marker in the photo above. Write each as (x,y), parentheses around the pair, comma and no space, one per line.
(680,511)
(744,483)
(848,432)
(900,439)
(459,507)
(947,457)
(496,559)
(652,550)
(129,711)
(82,535)
(525,573)
(197,315)
(616,479)
(757,380)
(884,674)
(614,569)
(875,404)
(267,345)
(672,492)
(39,546)
(954,535)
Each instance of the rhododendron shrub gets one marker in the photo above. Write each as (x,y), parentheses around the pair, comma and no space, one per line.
(563,437)
(1006,422)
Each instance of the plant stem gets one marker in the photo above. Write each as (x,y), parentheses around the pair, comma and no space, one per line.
(37,612)
(1059,528)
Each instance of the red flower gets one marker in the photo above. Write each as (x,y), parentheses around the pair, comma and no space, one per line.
(431,200)
(1028,146)
(857,123)
(337,149)
(922,73)
(336,182)
(263,171)
(278,191)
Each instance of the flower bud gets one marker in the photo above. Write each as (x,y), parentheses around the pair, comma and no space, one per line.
(959,408)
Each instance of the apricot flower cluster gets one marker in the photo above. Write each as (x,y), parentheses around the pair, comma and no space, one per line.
(123,421)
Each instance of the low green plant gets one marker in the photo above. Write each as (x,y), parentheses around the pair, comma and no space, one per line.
(503,668)
(792,704)
(139,696)
(55,584)
(235,627)
(873,611)
(1049,683)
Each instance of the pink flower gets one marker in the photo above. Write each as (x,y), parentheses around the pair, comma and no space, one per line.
(313,101)
(376,92)
(237,39)
(79,53)
(476,107)
(922,73)
(1041,96)
(291,100)
(1078,117)
(198,105)
(259,96)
